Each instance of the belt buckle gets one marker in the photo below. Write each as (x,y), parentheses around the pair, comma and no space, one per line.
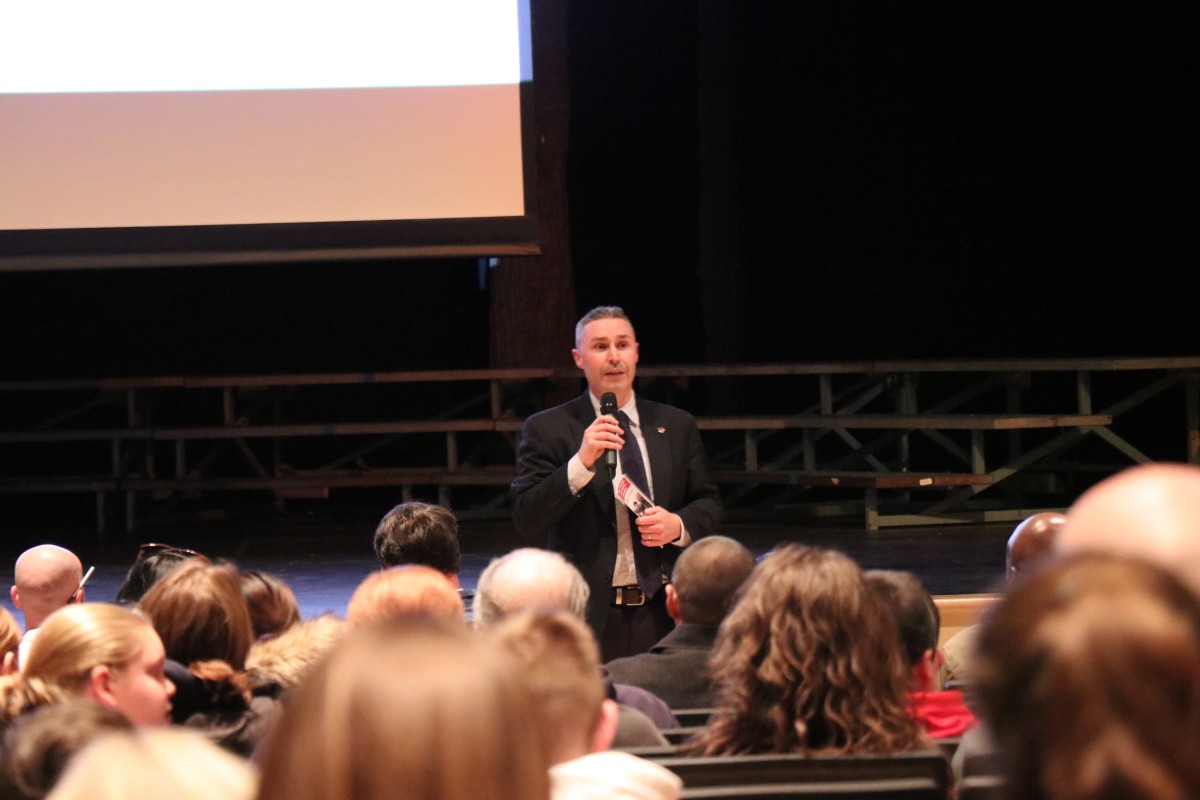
(631,596)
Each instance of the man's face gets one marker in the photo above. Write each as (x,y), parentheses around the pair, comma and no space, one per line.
(608,356)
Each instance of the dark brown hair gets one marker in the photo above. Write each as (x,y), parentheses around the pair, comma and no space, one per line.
(271,602)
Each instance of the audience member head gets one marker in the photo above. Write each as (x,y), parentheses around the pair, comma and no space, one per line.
(39,744)
(199,611)
(272,604)
(95,650)
(285,660)
(808,661)
(561,663)
(153,561)
(706,578)
(919,622)
(153,764)
(1149,511)
(419,533)
(529,579)
(417,709)
(1088,672)
(408,591)
(45,579)
(1031,542)
(10,633)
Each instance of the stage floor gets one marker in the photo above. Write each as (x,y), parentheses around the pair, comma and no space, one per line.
(324,553)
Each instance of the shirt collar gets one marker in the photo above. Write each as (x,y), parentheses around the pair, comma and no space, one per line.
(629,408)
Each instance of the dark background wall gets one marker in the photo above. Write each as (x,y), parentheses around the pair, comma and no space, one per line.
(908,180)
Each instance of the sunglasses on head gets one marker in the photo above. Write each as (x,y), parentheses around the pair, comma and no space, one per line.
(152,548)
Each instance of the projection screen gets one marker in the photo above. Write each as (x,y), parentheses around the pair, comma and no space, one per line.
(142,133)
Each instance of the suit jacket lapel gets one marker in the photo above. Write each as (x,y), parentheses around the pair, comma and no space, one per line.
(658,450)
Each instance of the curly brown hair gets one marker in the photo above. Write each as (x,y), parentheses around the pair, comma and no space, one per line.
(809,661)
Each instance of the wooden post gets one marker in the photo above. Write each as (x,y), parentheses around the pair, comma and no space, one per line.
(533,297)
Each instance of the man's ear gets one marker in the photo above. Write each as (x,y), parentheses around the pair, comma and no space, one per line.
(578,360)
(606,728)
(673,603)
(99,685)
(16,598)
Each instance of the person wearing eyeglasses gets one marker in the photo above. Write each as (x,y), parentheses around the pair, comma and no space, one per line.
(45,578)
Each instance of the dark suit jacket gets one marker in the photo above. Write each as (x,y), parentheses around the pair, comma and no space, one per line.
(675,669)
(583,527)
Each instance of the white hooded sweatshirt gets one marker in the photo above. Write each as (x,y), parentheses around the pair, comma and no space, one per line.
(613,775)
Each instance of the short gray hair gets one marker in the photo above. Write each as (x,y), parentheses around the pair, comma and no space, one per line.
(599,312)
(529,579)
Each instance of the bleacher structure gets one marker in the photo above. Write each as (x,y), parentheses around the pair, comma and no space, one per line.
(891,443)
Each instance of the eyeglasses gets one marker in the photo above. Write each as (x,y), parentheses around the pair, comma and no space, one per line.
(152,548)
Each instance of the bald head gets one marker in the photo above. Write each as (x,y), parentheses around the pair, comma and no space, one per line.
(529,579)
(1151,511)
(1031,541)
(44,580)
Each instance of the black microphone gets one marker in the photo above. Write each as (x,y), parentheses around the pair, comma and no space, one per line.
(608,407)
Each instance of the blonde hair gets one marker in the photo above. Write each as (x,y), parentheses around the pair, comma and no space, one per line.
(561,663)
(405,591)
(415,709)
(69,644)
(155,763)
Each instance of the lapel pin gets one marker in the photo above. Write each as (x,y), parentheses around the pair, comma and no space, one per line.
(661,429)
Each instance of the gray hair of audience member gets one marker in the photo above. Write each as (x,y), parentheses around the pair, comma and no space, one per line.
(916,614)
(529,579)
(599,312)
(1088,673)
(1148,511)
(707,577)
(39,744)
(418,533)
(155,763)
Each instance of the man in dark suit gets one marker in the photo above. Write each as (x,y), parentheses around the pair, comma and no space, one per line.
(563,495)
(706,579)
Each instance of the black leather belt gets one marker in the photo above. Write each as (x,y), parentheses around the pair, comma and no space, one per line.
(628,596)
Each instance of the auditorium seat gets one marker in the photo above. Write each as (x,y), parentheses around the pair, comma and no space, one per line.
(922,773)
